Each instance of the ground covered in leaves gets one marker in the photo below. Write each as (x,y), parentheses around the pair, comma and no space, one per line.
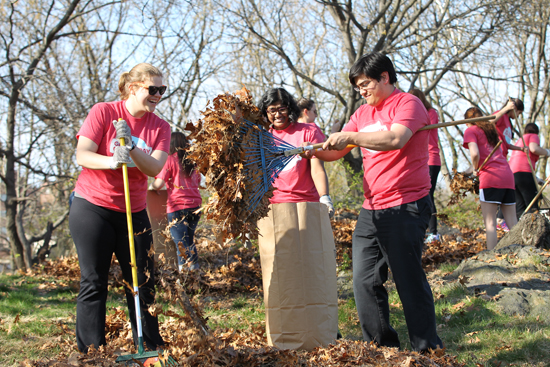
(232,269)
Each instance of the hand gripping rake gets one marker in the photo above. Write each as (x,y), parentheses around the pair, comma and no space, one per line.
(268,155)
(144,358)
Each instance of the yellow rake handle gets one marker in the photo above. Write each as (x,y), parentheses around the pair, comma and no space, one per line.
(129,219)
(133,261)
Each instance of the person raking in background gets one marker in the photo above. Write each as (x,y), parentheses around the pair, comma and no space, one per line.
(184,199)
(503,123)
(392,223)
(434,162)
(297,250)
(308,114)
(525,185)
(97,218)
(496,180)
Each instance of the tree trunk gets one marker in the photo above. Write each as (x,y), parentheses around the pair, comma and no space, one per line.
(16,245)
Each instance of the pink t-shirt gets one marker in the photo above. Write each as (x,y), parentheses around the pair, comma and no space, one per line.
(295,184)
(105,188)
(496,173)
(518,160)
(183,191)
(433,149)
(398,176)
(504,129)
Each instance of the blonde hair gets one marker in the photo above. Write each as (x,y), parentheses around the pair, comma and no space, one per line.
(139,73)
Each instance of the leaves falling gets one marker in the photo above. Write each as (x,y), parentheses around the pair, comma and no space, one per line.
(219,156)
(461,185)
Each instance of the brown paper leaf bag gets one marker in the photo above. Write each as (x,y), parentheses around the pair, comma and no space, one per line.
(299,276)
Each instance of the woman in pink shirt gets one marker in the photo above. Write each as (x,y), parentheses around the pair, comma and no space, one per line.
(184,199)
(98,213)
(496,180)
(434,161)
(526,187)
(298,189)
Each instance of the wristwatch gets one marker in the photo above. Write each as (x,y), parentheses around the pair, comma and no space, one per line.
(133,146)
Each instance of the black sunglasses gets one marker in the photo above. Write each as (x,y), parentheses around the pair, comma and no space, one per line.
(154,89)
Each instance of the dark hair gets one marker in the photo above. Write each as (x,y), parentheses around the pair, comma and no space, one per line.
(372,65)
(422,97)
(488,127)
(179,144)
(306,103)
(518,102)
(531,128)
(275,95)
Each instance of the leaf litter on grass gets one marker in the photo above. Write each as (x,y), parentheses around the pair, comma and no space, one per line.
(227,270)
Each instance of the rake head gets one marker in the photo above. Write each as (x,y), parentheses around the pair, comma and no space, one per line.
(150,359)
(264,159)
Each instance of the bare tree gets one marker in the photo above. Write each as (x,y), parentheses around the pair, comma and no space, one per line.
(310,46)
(61,60)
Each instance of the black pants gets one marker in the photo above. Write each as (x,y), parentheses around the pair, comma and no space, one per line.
(98,233)
(526,190)
(434,172)
(393,237)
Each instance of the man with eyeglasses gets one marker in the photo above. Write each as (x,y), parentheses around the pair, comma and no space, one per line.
(396,211)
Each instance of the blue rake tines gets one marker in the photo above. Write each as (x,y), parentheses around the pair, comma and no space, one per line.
(264,160)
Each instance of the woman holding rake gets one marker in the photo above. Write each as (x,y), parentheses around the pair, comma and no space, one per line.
(98,221)
(296,241)
(496,180)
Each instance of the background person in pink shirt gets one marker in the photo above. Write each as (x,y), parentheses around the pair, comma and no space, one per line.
(506,132)
(97,218)
(184,199)
(395,214)
(525,185)
(504,125)
(434,161)
(308,114)
(496,180)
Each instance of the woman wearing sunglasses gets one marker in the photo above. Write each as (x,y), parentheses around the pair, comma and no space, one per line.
(97,219)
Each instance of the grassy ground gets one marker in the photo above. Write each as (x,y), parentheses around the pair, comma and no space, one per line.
(35,310)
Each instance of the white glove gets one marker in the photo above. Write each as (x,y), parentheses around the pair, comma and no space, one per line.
(123,131)
(120,156)
(325,199)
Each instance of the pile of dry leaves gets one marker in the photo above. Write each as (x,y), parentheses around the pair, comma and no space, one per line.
(218,140)
(192,346)
(191,343)
(226,269)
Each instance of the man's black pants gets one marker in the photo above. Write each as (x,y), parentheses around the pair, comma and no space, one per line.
(394,237)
